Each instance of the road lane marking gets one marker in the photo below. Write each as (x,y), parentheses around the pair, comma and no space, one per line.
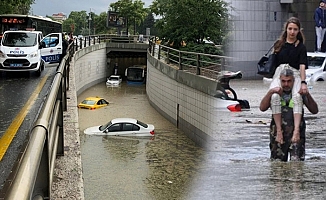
(10,133)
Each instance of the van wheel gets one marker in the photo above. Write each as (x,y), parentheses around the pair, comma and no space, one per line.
(43,66)
(39,71)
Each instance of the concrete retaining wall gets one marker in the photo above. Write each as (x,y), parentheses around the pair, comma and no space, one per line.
(183,98)
(90,66)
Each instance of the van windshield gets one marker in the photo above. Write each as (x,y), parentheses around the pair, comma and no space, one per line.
(19,39)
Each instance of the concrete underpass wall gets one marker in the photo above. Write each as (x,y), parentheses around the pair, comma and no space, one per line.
(90,66)
(184,99)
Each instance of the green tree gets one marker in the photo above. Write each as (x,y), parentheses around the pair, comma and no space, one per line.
(149,22)
(67,24)
(191,21)
(100,23)
(133,11)
(77,20)
(15,6)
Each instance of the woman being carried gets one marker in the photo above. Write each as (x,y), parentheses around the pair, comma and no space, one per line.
(291,53)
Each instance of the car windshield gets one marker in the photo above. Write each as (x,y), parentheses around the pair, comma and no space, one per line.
(142,124)
(315,62)
(113,78)
(105,126)
(19,39)
(88,102)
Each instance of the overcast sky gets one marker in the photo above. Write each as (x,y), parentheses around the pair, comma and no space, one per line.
(49,7)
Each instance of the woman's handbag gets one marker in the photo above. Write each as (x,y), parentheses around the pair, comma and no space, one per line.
(267,64)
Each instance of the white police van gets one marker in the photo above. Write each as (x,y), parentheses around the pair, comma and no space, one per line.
(29,51)
(52,49)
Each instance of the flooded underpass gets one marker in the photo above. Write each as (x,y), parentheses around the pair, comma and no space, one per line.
(170,166)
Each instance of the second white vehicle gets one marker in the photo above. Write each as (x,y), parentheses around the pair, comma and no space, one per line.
(122,127)
(114,80)
(316,67)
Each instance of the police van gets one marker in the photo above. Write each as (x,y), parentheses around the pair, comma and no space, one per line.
(29,51)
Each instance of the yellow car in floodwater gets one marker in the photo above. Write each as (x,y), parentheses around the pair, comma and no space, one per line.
(93,103)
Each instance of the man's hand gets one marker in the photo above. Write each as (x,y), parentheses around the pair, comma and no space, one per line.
(296,136)
(279,137)
(303,89)
(277,90)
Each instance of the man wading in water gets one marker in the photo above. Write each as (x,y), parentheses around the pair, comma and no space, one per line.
(288,144)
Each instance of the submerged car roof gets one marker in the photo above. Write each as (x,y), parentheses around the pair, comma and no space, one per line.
(129,120)
(314,54)
(93,98)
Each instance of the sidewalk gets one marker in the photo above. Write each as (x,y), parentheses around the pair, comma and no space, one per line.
(68,179)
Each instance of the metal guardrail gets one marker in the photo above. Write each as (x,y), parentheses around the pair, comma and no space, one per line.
(32,175)
(207,65)
(94,39)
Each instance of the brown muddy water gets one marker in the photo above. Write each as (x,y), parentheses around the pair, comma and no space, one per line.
(170,166)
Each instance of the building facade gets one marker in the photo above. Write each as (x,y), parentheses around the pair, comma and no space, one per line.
(256,24)
(59,17)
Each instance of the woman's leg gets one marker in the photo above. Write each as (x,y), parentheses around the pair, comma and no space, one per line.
(276,105)
(276,111)
(297,109)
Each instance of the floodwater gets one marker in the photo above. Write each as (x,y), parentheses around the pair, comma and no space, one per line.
(170,166)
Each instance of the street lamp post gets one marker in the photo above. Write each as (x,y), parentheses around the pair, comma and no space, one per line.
(89,23)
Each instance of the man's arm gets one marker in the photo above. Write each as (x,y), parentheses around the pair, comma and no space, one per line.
(266,101)
(310,103)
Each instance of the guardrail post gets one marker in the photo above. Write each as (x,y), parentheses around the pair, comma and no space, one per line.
(180,60)
(167,56)
(67,73)
(42,185)
(153,49)
(62,97)
(198,65)
(222,64)
(159,52)
(150,47)
(63,90)
(80,43)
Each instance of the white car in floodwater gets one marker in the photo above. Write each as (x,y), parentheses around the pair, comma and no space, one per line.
(114,80)
(122,127)
(316,67)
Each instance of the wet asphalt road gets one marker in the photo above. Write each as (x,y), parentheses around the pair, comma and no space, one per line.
(15,90)
(171,166)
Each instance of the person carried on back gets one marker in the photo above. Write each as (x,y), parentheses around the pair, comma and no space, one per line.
(291,53)
(287,143)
